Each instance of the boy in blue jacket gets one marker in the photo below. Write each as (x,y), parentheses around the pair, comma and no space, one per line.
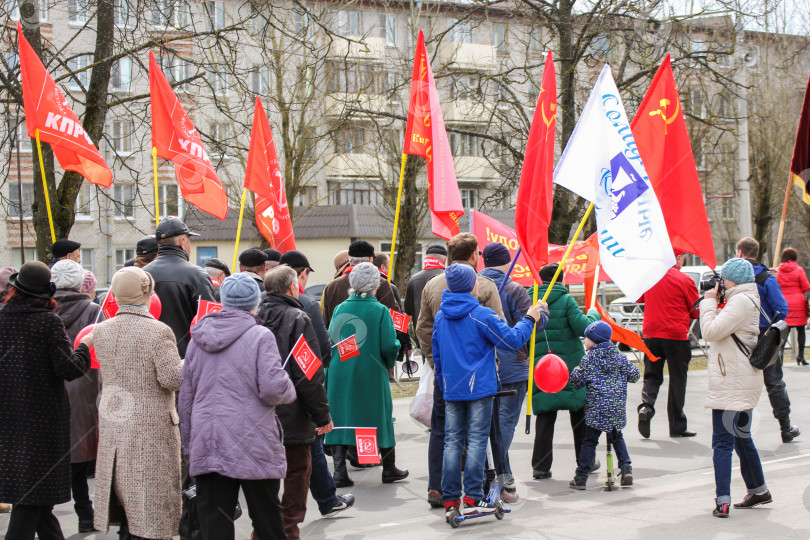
(605,372)
(465,335)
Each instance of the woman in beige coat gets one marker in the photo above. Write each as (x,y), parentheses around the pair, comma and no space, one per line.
(734,386)
(138,471)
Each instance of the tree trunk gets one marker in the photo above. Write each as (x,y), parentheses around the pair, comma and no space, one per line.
(408,226)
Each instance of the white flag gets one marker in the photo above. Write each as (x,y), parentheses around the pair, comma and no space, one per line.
(601,163)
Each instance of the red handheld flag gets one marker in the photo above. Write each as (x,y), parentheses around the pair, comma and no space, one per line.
(176,139)
(426,136)
(205,307)
(800,164)
(663,143)
(401,320)
(109,307)
(263,177)
(535,196)
(306,358)
(348,348)
(367,451)
(47,110)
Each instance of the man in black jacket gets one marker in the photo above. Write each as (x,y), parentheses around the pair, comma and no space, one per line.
(283,314)
(178,283)
(299,262)
(435,261)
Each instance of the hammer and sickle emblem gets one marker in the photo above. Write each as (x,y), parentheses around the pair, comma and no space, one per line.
(423,67)
(429,153)
(426,120)
(662,112)
(553,110)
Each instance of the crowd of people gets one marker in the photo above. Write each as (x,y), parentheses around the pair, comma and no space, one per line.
(181,411)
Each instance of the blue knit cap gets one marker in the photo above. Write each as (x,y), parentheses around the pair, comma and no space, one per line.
(460,277)
(738,270)
(598,332)
(239,291)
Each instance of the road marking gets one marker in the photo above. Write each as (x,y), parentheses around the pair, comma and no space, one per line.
(791,458)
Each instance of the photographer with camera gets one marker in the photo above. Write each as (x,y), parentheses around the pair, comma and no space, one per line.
(669,307)
(773,303)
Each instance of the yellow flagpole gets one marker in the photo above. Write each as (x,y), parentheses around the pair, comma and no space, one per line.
(44,188)
(396,217)
(545,297)
(157,196)
(239,228)
(776,254)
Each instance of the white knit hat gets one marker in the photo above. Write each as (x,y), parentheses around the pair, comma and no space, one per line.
(67,274)
(364,278)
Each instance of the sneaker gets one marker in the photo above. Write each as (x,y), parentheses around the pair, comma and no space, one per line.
(645,414)
(509,496)
(541,475)
(578,482)
(344,502)
(596,465)
(449,508)
(434,499)
(478,507)
(721,510)
(627,475)
(751,500)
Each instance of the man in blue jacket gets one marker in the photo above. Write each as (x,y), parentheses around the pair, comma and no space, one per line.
(465,335)
(773,301)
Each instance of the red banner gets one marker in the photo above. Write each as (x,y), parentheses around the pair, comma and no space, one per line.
(305,357)
(401,320)
(367,451)
(348,348)
(47,110)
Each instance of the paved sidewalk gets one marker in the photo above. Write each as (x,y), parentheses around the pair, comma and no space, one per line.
(672,496)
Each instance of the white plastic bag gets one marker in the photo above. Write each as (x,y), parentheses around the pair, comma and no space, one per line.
(422,406)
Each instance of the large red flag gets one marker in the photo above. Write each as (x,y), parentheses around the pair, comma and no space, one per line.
(47,110)
(535,192)
(660,132)
(800,164)
(425,136)
(176,139)
(263,177)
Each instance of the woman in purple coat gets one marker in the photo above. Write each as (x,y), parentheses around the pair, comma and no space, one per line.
(232,381)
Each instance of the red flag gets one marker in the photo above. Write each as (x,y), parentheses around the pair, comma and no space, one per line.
(47,110)
(367,451)
(535,196)
(425,136)
(205,307)
(306,358)
(663,142)
(800,164)
(348,348)
(401,320)
(176,139)
(109,307)
(263,177)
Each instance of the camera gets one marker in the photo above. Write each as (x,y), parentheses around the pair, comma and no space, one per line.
(711,283)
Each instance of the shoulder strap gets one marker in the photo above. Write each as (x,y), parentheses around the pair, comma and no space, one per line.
(762,277)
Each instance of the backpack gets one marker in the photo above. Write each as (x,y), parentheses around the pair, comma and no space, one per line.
(766,351)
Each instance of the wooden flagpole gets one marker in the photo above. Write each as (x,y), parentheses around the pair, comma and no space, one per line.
(157,196)
(545,297)
(396,217)
(782,222)
(239,228)
(44,188)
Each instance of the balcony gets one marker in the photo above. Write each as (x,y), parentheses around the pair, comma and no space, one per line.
(351,165)
(467,56)
(466,110)
(371,48)
(337,103)
(474,168)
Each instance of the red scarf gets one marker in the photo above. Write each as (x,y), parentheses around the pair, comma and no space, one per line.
(348,270)
(432,263)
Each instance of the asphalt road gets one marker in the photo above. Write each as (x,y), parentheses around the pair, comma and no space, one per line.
(672,496)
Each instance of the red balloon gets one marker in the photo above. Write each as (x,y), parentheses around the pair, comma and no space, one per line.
(551,374)
(155,307)
(93,358)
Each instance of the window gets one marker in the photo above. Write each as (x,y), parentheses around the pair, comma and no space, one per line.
(308,76)
(77,11)
(124,200)
(535,41)
(727,207)
(349,141)
(502,94)
(385,247)
(352,78)
(464,144)
(306,143)
(122,256)
(260,80)
(260,17)
(352,193)
(388,29)
(16,256)
(499,37)
(121,14)
(169,201)
(122,135)
(215,10)
(170,13)
(459,31)
(218,79)
(348,23)
(696,102)
(12,8)
(204,254)
(81,75)
(219,139)
(599,46)
(121,75)
(88,259)
(22,138)
(465,87)
(469,199)
(303,25)
(306,196)
(14,199)
(83,202)
(176,69)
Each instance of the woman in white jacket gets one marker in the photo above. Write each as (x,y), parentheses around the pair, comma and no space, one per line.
(734,386)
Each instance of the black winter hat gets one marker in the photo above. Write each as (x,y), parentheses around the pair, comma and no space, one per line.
(436,249)
(61,248)
(252,257)
(496,254)
(361,248)
(213,262)
(547,274)
(33,279)
(295,259)
(273,254)
(172,226)
(146,246)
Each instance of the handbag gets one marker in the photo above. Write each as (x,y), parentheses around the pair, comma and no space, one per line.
(422,406)
(766,352)
(189,518)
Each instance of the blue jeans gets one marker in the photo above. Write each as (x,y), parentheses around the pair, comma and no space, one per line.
(321,483)
(465,421)
(591,441)
(732,430)
(509,416)
(436,441)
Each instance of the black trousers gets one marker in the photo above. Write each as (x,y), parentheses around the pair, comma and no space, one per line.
(775,385)
(80,491)
(27,520)
(216,500)
(542,454)
(677,354)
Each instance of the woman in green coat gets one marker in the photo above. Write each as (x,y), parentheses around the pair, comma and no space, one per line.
(562,337)
(358,389)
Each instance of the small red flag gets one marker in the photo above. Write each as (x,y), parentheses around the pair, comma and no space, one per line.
(205,307)
(367,451)
(306,358)
(535,197)
(109,307)
(176,139)
(401,320)
(263,177)
(47,110)
(426,136)
(348,348)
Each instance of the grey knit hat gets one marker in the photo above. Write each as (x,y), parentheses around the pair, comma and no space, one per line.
(67,274)
(240,291)
(364,278)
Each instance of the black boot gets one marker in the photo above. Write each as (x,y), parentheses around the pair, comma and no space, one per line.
(341,476)
(801,361)
(390,472)
(645,414)
(788,432)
